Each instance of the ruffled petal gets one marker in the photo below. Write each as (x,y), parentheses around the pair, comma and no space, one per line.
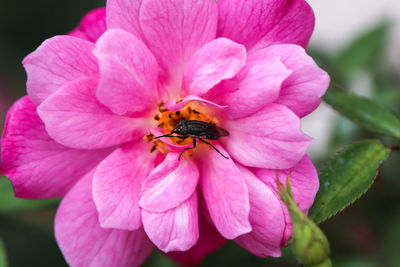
(302,90)
(255,86)
(128,73)
(168,185)
(266,218)
(260,23)
(37,166)
(85,243)
(225,194)
(57,61)
(124,14)
(92,26)
(303,181)
(176,229)
(75,118)
(218,60)
(117,183)
(209,241)
(173,106)
(270,138)
(175,29)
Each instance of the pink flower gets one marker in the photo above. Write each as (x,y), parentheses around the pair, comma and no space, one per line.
(95,101)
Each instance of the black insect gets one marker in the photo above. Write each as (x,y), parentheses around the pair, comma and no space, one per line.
(198,130)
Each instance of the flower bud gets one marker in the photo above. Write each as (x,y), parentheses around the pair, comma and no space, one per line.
(310,245)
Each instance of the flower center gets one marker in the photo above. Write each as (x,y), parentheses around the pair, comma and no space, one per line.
(169,120)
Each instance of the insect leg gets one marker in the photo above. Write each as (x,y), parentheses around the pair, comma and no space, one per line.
(165,135)
(183,138)
(208,143)
(188,148)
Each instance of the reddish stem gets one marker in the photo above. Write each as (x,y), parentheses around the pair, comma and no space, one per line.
(395,148)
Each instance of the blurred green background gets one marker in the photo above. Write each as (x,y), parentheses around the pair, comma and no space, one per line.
(365,234)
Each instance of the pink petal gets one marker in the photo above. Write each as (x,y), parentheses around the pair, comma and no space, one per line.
(77,32)
(302,91)
(270,138)
(266,218)
(128,73)
(175,29)
(168,185)
(37,166)
(218,60)
(117,183)
(176,229)
(124,14)
(84,243)
(57,61)
(173,106)
(75,118)
(260,23)
(256,85)
(209,241)
(225,194)
(303,181)
(92,26)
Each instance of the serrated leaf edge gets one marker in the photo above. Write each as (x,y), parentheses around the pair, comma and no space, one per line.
(362,193)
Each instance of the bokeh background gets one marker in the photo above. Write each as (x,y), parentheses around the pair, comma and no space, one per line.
(357,42)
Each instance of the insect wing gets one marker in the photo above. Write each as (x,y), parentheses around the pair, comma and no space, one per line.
(222,131)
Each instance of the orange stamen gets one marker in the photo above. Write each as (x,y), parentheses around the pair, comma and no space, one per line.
(167,120)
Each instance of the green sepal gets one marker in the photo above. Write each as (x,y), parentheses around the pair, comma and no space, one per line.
(310,245)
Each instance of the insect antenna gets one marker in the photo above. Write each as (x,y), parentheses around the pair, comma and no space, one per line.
(170,135)
(165,135)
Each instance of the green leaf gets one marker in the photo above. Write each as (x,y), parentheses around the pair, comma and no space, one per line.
(346,177)
(386,91)
(9,203)
(310,245)
(3,255)
(366,112)
(364,51)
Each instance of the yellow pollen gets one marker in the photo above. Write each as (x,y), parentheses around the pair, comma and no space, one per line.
(168,120)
